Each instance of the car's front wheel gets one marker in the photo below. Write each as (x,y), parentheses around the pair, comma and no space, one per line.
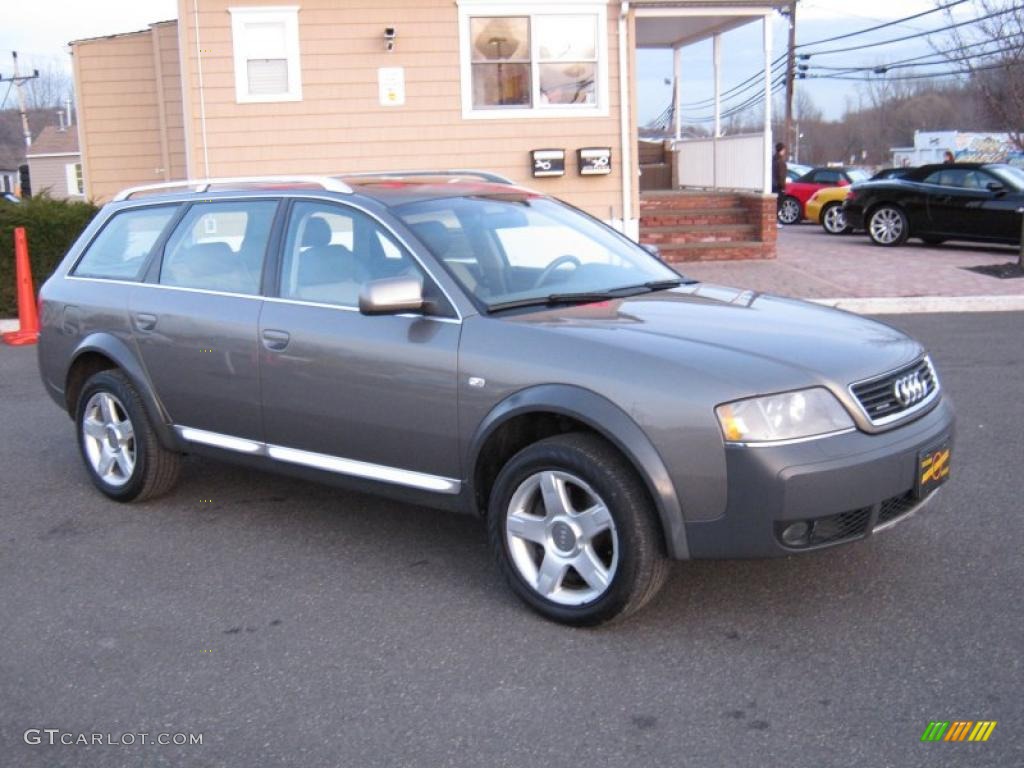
(574,531)
(833,219)
(120,450)
(790,211)
(888,226)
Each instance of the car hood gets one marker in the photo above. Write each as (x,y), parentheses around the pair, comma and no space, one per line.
(737,334)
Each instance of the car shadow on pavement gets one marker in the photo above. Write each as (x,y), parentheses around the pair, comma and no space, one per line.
(436,552)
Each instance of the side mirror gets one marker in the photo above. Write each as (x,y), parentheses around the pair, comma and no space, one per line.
(654,250)
(391,296)
(995,187)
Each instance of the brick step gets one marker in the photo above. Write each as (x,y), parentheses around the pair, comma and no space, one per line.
(659,201)
(733,251)
(699,233)
(675,217)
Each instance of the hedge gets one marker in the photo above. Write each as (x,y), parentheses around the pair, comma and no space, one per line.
(51,226)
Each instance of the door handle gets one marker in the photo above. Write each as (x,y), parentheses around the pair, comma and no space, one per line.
(145,321)
(275,340)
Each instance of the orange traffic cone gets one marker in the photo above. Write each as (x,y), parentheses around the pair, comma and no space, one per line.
(28,316)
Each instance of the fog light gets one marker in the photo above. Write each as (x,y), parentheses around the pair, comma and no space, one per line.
(796,534)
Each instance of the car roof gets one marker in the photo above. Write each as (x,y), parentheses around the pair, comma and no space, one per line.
(387,188)
(392,190)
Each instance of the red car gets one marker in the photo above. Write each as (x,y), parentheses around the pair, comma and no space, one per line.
(791,206)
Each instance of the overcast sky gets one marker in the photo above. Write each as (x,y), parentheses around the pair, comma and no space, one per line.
(40,29)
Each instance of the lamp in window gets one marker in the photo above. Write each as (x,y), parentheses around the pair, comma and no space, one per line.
(501,61)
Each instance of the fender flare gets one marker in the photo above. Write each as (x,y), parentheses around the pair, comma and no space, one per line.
(612,423)
(118,351)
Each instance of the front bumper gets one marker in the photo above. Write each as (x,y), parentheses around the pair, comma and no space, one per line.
(845,487)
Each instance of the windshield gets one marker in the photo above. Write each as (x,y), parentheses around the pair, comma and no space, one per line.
(858,174)
(517,248)
(1010,174)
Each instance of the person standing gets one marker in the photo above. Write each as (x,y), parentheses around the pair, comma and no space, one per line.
(949,158)
(779,171)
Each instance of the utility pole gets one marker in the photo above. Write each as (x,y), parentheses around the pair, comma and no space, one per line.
(17,80)
(790,73)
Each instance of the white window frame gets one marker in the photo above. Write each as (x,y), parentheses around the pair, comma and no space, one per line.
(284,14)
(532,9)
(71,174)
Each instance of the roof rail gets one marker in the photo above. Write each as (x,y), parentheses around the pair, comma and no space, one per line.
(485,175)
(329,183)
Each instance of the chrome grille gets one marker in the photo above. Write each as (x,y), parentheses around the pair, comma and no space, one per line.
(891,397)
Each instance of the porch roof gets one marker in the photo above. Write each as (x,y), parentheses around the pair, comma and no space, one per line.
(677,23)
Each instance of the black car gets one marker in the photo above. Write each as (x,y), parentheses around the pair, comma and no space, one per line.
(962,201)
(891,173)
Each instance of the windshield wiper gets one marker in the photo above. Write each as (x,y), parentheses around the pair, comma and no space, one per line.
(587,297)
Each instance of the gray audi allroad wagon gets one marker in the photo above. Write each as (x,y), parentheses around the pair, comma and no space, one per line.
(456,341)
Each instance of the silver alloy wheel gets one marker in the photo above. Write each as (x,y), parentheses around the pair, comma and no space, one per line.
(835,219)
(789,211)
(562,538)
(109,439)
(886,225)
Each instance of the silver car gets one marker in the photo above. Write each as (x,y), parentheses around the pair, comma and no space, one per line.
(456,341)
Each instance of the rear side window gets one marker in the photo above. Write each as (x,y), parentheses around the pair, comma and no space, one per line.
(219,247)
(122,247)
(827,177)
(947,177)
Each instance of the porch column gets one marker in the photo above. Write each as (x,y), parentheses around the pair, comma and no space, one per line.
(717,43)
(768,153)
(677,91)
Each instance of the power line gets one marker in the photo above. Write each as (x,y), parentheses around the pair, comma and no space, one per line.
(746,85)
(881,69)
(883,26)
(930,75)
(777,86)
(1003,12)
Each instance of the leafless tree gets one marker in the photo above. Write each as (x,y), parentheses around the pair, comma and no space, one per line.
(992,51)
(50,89)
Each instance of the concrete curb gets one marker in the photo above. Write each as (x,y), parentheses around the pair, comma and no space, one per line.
(911,305)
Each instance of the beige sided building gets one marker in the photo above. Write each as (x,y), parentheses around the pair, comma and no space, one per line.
(247,87)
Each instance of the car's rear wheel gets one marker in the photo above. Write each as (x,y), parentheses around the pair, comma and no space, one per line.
(833,219)
(574,531)
(790,210)
(888,226)
(120,450)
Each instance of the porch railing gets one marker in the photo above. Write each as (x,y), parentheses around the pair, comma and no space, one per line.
(728,162)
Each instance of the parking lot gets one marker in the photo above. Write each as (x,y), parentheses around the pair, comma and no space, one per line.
(299,625)
(813,264)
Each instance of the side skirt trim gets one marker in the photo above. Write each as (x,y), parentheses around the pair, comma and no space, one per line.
(323,461)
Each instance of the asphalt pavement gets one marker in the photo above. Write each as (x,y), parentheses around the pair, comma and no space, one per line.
(297,625)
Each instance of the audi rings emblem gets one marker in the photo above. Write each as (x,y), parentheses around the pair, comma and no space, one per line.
(910,389)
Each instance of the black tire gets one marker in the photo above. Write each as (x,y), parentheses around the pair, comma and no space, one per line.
(832,215)
(933,240)
(888,226)
(154,469)
(790,211)
(642,565)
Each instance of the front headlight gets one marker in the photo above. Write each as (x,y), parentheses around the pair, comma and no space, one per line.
(788,416)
